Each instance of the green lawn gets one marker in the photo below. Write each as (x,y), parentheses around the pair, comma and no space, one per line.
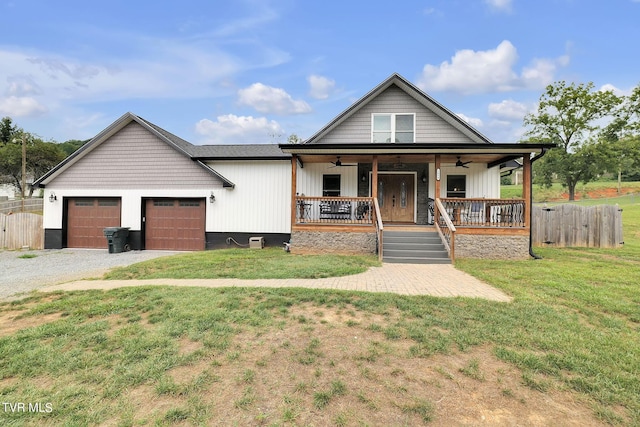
(269,263)
(195,356)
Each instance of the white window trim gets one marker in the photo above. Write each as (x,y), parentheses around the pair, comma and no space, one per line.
(393,125)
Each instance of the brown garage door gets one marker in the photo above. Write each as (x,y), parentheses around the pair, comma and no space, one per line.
(175,224)
(86,219)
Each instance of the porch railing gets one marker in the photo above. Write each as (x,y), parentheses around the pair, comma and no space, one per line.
(485,212)
(446,229)
(334,210)
(379,227)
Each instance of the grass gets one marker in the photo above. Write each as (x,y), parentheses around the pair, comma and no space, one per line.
(557,192)
(269,263)
(194,356)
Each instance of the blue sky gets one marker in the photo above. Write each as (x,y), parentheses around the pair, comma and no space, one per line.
(256,71)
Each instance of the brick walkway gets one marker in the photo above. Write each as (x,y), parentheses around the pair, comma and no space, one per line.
(441,280)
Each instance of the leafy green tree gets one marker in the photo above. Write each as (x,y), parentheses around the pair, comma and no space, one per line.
(7,131)
(620,140)
(294,139)
(568,115)
(9,134)
(41,157)
(70,146)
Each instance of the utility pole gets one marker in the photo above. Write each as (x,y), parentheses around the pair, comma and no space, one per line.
(24,166)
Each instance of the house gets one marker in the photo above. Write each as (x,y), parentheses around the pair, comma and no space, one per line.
(395,161)
(7,191)
(170,193)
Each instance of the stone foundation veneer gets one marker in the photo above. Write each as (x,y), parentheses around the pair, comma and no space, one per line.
(333,242)
(492,246)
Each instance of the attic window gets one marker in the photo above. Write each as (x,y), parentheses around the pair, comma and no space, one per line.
(393,127)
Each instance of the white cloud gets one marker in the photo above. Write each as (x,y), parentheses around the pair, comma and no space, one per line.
(616,90)
(232,129)
(267,99)
(431,11)
(320,87)
(171,71)
(539,74)
(476,123)
(508,110)
(21,106)
(22,86)
(501,5)
(144,68)
(262,14)
(490,70)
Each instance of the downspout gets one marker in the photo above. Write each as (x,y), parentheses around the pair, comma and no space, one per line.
(531,253)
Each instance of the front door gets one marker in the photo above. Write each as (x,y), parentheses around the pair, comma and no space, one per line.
(395,196)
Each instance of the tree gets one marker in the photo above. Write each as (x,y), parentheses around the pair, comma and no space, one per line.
(70,146)
(620,140)
(567,115)
(7,131)
(294,139)
(41,157)
(9,134)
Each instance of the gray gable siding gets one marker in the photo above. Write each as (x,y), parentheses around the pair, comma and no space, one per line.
(429,127)
(134,158)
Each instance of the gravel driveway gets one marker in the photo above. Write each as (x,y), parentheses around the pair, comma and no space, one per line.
(53,266)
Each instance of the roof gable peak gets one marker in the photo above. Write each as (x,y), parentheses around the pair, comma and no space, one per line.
(411,90)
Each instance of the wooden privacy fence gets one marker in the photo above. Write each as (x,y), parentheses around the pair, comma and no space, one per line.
(21,230)
(580,226)
(30,205)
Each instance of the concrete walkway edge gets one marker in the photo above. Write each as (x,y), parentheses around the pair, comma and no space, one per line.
(441,280)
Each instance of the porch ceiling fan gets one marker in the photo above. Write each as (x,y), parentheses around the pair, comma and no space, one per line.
(461,164)
(338,163)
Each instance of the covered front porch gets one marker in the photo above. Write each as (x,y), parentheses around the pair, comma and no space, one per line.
(344,202)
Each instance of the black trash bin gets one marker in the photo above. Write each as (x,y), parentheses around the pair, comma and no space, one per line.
(117,239)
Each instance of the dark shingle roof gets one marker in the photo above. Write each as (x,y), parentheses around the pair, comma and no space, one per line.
(176,140)
(238,152)
(222,152)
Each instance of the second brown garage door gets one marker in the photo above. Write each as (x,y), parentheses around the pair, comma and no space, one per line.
(175,224)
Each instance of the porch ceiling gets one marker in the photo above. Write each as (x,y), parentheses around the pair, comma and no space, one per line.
(411,153)
(402,158)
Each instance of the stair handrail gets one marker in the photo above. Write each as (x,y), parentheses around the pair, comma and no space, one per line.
(448,235)
(379,226)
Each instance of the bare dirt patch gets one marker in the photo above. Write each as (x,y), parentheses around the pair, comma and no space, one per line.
(326,367)
(187,346)
(13,321)
(146,402)
(598,193)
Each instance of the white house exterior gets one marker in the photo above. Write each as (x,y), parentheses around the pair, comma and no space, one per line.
(395,157)
(132,170)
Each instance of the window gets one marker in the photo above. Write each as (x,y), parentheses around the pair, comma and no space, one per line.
(331,185)
(393,128)
(456,186)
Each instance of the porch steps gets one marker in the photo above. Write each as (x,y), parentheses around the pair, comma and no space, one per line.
(413,247)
